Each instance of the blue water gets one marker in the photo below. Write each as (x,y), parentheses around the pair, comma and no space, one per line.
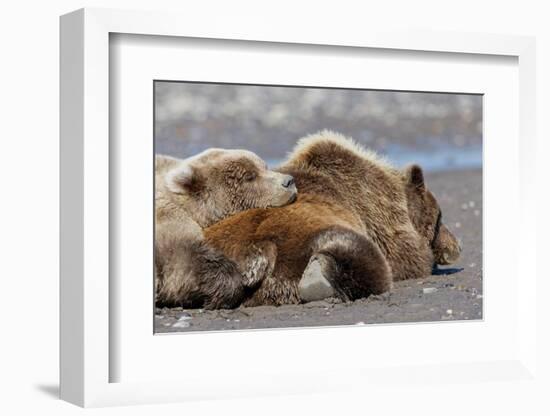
(441,158)
(434,159)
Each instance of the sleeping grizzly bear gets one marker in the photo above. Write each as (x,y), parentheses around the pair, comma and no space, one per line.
(358,225)
(194,193)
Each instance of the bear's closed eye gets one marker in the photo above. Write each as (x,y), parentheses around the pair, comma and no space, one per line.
(249,176)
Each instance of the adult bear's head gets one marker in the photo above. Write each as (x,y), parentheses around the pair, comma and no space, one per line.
(426,216)
(218,183)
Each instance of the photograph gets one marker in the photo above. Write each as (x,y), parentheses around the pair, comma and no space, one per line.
(302,206)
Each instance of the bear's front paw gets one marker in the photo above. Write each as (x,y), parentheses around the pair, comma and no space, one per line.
(259,263)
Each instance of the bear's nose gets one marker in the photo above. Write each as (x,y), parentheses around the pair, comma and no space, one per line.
(288,181)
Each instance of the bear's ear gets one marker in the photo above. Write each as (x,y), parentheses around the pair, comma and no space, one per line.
(415,177)
(185,179)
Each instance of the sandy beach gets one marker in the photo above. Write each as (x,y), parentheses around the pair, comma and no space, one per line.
(452,293)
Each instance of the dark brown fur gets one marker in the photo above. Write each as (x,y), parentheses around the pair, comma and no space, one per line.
(194,275)
(356,205)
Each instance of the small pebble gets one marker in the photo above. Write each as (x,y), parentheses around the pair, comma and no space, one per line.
(472,265)
(477,212)
(479,296)
(464,206)
(449,311)
(472,204)
(360,323)
(458,225)
(427,290)
(181,324)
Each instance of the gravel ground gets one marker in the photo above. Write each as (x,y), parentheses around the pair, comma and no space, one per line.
(452,293)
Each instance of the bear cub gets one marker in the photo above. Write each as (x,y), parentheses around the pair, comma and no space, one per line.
(195,193)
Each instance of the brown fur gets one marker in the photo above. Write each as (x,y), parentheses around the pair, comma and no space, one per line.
(195,193)
(354,209)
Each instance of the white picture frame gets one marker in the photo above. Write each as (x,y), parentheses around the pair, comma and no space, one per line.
(86,351)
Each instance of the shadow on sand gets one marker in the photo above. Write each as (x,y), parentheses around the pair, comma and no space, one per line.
(444,272)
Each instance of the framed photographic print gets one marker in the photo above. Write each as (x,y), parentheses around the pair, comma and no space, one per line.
(258,203)
(317,276)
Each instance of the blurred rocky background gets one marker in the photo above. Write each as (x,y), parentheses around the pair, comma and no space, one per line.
(439,131)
